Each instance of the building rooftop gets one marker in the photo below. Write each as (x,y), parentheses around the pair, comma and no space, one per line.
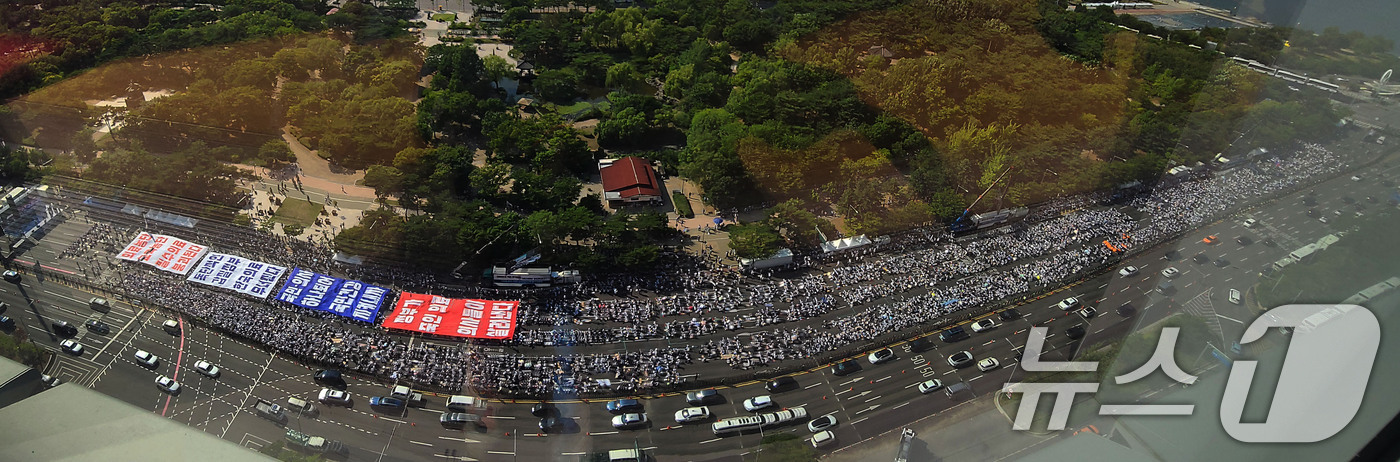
(630,176)
(73,423)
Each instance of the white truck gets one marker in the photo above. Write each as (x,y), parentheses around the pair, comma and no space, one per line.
(305,442)
(784,417)
(270,411)
(467,404)
(409,396)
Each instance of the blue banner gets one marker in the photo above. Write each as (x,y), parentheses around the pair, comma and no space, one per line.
(351,299)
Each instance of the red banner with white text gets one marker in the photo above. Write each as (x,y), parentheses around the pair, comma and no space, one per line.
(456,317)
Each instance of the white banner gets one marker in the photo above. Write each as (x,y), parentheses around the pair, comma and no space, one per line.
(165,252)
(238,274)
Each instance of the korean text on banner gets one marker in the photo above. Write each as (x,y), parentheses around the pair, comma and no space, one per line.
(431,314)
(137,248)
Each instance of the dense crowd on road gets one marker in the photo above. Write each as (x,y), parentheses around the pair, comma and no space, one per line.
(923,277)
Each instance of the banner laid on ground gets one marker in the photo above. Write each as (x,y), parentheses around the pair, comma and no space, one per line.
(165,252)
(351,299)
(237,274)
(456,317)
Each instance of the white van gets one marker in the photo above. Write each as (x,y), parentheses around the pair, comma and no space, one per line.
(461,403)
(1234,296)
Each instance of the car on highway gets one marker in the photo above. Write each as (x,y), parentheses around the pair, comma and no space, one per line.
(72,347)
(629,420)
(1221,262)
(333,396)
(702,397)
(64,329)
(6,322)
(1268,242)
(1170,272)
(1200,258)
(960,359)
(96,326)
(171,326)
(1127,271)
(821,423)
(550,424)
(1323,220)
(988,364)
(1234,296)
(1249,223)
(386,402)
(1126,310)
(207,368)
(758,403)
(929,386)
(1068,304)
(1075,332)
(880,356)
(624,405)
(823,438)
(12,276)
(920,344)
(1171,255)
(168,385)
(147,359)
(49,381)
(1243,240)
(845,367)
(781,384)
(1088,312)
(543,410)
(952,334)
(459,420)
(692,414)
(983,325)
(1211,239)
(330,378)
(1009,314)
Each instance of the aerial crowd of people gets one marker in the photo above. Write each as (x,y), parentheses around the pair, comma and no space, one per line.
(693,311)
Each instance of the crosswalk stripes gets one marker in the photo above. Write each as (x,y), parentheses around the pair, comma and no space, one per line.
(1201,306)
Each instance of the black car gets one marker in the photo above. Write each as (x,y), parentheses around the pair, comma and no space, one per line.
(1222,262)
(781,384)
(920,344)
(1269,242)
(703,397)
(1009,314)
(551,424)
(845,367)
(64,329)
(1200,258)
(1126,310)
(6,322)
(1243,240)
(1309,201)
(331,378)
(543,410)
(94,325)
(952,334)
(1371,199)
(1172,255)
(1075,332)
(619,406)
(12,276)
(4,307)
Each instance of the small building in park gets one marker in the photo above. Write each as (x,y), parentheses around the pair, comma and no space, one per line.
(629,180)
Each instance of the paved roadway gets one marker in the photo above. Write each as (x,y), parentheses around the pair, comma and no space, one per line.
(876,399)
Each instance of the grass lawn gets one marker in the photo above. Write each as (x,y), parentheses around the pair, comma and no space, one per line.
(579,107)
(297,211)
(445,17)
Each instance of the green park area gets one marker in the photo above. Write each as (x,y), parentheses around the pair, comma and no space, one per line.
(445,17)
(297,212)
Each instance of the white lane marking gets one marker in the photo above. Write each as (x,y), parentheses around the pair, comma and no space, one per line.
(906,403)
(710,441)
(602,433)
(884,379)
(420,443)
(975,378)
(873,399)
(812,385)
(464,440)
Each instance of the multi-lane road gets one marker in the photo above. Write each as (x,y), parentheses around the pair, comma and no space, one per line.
(868,402)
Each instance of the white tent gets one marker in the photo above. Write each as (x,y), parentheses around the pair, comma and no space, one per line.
(844,244)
